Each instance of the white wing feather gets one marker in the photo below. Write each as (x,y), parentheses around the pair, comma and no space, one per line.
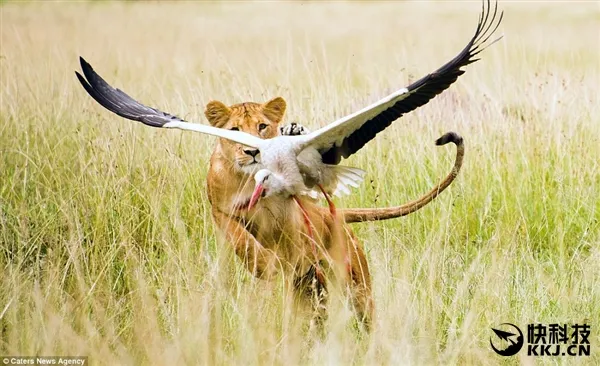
(336,132)
(235,136)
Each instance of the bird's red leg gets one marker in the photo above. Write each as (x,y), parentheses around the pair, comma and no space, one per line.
(319,273)
(306,219)
(332,209)
(333,212)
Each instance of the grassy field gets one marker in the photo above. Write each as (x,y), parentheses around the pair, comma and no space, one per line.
(107,248)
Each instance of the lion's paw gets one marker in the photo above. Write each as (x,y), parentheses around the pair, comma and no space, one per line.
(293,129)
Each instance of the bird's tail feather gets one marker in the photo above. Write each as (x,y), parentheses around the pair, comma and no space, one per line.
(346,177)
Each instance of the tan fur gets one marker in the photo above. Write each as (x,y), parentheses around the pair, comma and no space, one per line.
(272,236)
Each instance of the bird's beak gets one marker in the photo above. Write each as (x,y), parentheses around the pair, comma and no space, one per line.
(258,191)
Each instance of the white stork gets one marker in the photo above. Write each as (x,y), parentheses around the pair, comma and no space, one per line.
(324,148)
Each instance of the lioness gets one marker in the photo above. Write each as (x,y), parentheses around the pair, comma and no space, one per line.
(271,237)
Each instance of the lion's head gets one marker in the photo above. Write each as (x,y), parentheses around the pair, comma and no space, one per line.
(257,119)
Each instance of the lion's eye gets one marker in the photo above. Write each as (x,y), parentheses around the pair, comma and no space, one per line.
(262,126)
(234,129)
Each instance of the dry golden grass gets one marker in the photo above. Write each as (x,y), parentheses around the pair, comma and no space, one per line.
(107,248)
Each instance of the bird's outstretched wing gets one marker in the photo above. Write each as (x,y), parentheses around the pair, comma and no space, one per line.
(349,134)
(120,103)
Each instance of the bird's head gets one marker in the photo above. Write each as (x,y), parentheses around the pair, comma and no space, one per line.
(267,184)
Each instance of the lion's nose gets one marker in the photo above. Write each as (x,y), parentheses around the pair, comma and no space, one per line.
(252,153)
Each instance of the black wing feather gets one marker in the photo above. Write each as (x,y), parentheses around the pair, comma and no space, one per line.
(118,102)
(422,90)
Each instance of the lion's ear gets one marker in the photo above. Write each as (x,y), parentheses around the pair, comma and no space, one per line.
(217,113)
(274,109)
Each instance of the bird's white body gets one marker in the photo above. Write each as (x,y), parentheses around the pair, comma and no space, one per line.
(280,155)
(301,169)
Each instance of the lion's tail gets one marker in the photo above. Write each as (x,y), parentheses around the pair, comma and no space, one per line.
(375,214)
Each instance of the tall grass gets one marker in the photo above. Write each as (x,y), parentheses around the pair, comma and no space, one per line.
(107,248)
